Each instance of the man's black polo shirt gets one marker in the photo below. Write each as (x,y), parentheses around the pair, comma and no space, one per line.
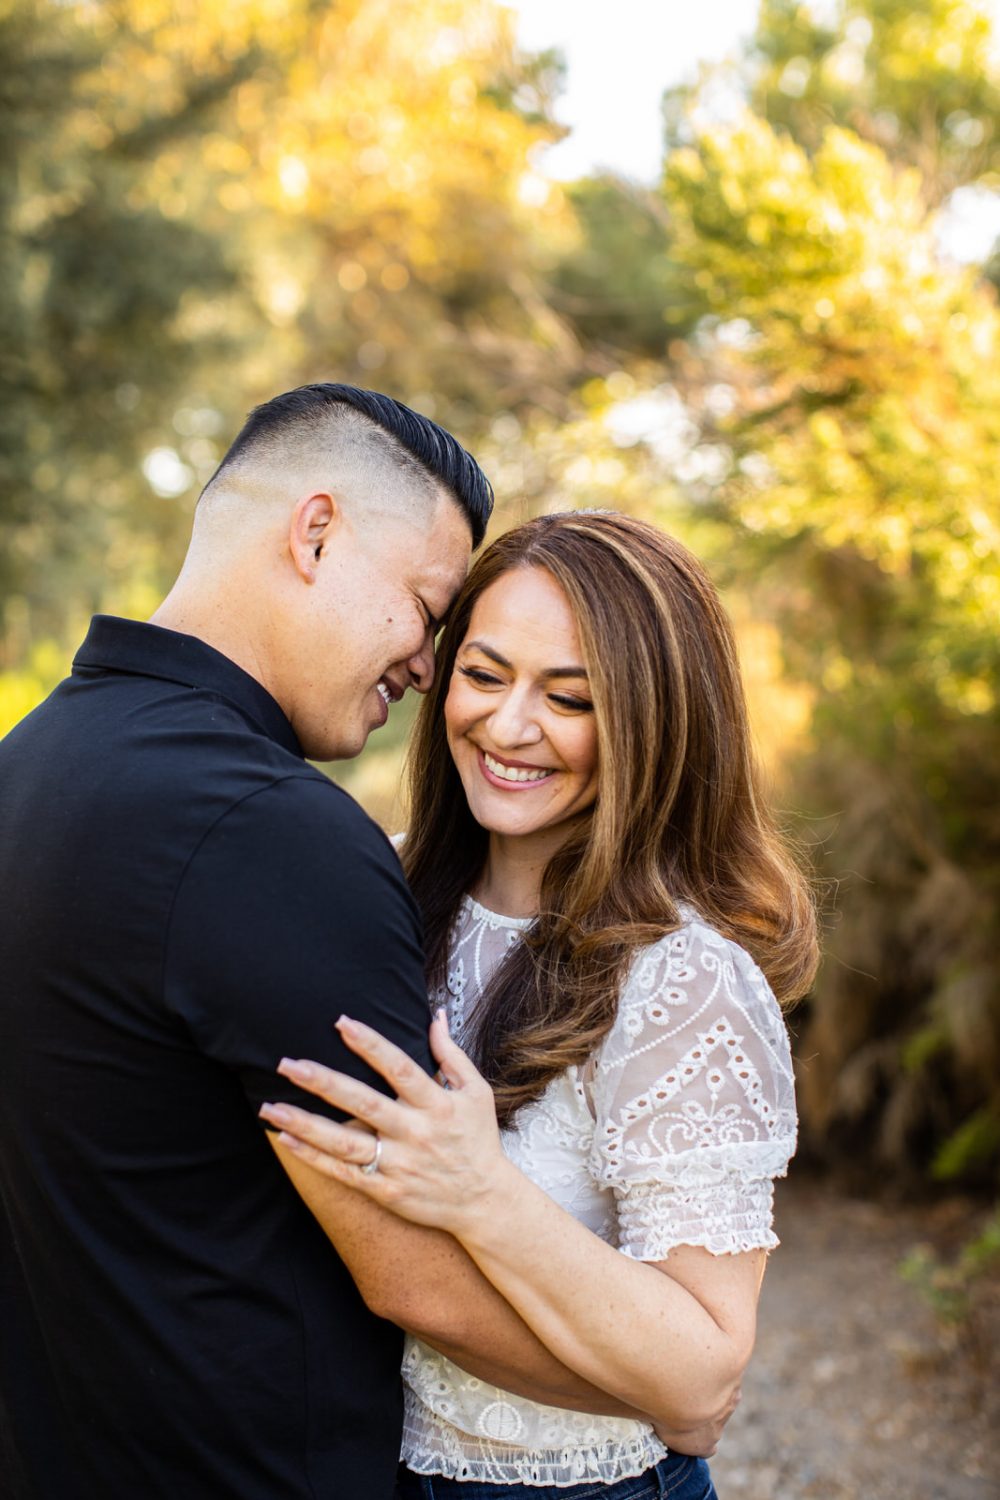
(184,900)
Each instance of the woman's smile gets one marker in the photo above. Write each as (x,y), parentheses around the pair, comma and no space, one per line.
(512,775)
(519,712)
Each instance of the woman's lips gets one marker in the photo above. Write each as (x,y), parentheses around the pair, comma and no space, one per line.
(519,778)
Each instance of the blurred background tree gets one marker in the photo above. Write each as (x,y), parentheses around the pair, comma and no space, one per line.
(860,453)
(769,352)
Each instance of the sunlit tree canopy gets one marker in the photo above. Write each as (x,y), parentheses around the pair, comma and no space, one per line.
(772,351)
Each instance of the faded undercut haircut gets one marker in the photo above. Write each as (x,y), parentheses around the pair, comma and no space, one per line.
(329,428)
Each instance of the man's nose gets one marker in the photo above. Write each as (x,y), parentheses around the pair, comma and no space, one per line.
(421,665)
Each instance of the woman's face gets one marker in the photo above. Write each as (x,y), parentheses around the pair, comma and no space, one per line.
(519,714)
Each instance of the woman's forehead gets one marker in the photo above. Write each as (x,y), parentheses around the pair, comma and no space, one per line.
(525,601)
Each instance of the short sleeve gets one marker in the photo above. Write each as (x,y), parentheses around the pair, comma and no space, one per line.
(694,1099)
(293,911)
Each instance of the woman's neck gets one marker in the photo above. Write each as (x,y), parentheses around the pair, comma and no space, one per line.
(511,878)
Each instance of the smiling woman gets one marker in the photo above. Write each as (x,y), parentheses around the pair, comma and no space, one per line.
(520,726)
(611,920)
(654,798)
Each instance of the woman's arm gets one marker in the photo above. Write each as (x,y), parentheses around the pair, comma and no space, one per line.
(671,1339)
(425,1282)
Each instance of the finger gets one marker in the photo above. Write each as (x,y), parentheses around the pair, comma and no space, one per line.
(455,1064)
(349,1094)
(372,1184)
(407,1079)
(347,1144)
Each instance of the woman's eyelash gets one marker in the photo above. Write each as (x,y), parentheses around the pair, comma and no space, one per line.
(478,675)
(487,679)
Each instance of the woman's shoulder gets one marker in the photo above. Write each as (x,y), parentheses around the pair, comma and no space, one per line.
(699,1029)
(695,940)
(695,962)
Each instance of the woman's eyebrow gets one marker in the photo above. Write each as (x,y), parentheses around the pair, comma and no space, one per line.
(502,661)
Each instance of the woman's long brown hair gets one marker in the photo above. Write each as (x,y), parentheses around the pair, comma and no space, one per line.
(679,814)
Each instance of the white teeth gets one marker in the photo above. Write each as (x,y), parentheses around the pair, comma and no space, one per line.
(386,695)
(513,773)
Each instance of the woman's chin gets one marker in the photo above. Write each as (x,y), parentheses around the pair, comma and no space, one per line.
(515,822)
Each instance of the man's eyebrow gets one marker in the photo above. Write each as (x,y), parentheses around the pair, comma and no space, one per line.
(502,661)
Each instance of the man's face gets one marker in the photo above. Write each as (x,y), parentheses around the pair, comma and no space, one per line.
(368,624)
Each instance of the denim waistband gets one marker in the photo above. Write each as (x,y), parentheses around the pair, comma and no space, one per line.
(676,1477)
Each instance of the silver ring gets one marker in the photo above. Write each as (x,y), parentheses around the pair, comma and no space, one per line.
(371,1167)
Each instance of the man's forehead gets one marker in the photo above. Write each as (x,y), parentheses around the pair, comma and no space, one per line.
(444,558)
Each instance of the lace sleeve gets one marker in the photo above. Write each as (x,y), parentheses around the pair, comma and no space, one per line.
(694,1099)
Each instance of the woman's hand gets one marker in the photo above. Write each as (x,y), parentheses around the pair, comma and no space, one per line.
(439,1155)
(703,1441)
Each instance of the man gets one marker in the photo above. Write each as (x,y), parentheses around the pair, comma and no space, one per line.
(185,900)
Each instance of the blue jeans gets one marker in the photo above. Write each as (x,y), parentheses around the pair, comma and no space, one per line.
(674,1478)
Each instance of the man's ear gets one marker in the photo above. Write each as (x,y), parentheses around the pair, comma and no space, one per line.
(313,522)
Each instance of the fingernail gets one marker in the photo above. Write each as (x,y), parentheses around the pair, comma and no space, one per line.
(290,1141)
(442,1016)
(299,1072)
(344,1023)
(276,1113)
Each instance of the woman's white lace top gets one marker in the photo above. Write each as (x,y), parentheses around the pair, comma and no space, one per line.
(671,1134)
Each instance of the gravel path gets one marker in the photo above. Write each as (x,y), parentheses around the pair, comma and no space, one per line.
(853,1393)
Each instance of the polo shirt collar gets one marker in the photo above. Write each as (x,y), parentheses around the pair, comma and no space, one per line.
(133,646)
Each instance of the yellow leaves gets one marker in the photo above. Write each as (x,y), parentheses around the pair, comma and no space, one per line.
(293,174)
(282,296)
(838,673)
(780,709)
(23,690)
(825,430)
(686,164)
(394,277)
(733,195)
(221,153)
(352,276)
(758,228)
(977,696)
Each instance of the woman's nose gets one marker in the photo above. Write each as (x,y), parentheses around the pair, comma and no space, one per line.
(513,723)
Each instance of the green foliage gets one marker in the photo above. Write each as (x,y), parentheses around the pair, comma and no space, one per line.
(767,354)
(620,288)
(213,203)
(951,1287)
(94,276)
(914,78)
(861,434)
(976,1144)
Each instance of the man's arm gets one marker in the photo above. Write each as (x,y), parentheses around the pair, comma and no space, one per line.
(292,910)
(423,1280)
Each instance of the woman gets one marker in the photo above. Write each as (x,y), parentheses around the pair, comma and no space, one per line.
(609,915)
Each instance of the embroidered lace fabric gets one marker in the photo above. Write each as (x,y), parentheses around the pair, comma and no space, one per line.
(671,1134)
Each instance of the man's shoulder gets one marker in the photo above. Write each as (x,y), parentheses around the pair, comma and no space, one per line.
(299,820)
(296,861)
(302,796)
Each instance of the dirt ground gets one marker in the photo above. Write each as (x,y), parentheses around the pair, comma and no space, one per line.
(854,1392)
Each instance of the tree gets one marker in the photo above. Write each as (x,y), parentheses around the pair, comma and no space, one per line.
(915,78)
(862,434)
(214,203)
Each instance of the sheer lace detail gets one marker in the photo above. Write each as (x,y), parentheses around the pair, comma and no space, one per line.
(479,941)
(580,1448)
(695,1099)
(671,1134)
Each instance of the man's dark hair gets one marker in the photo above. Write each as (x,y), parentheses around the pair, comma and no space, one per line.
(436,453)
